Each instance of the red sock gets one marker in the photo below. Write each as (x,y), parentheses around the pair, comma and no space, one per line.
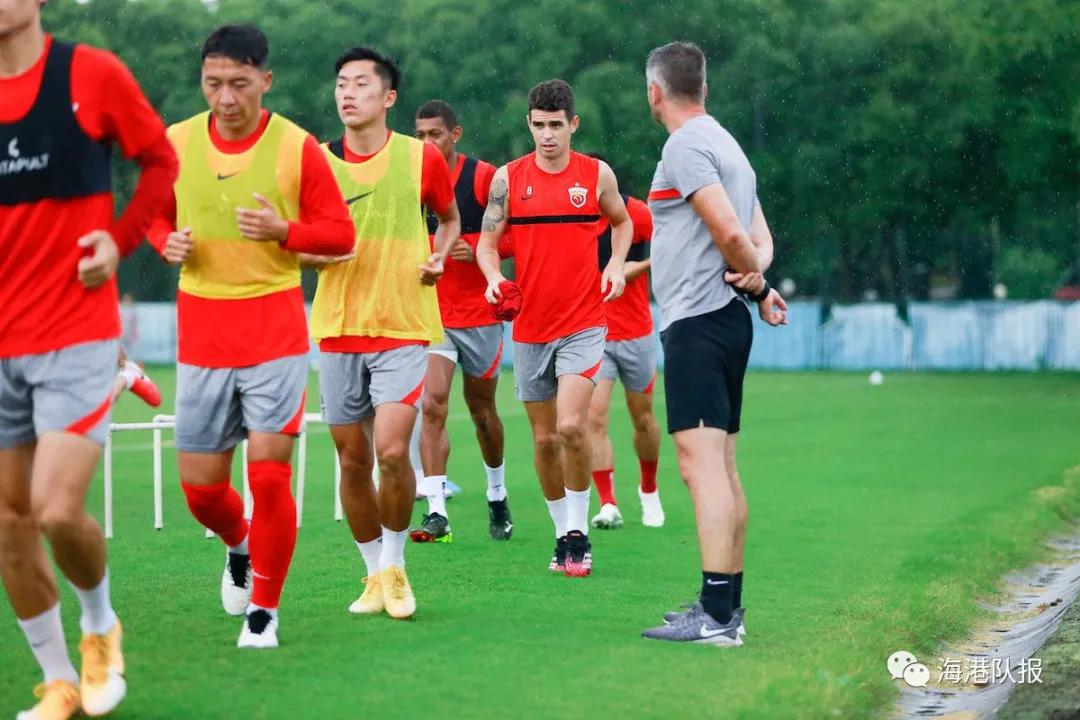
(604,487)
(648,475)
(273,529)
(219,508)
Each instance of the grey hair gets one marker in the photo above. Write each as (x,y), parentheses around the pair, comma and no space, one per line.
(678,68)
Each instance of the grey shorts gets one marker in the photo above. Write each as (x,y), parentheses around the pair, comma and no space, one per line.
(538,366)
(478,349)
(217,407)
(66,390)
(352,385)
(632,361)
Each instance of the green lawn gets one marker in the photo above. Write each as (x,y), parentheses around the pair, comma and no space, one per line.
(878,514)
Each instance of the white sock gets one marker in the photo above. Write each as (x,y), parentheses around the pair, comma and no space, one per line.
(434,489)
(496,482)
(393,548)
(577,510)
(45,635)
(371,551)
(557,510)
(98,617)
(131,373)
(241,549)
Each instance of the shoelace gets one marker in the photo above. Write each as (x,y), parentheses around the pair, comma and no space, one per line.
(58,692)
(397,585)
(95,652)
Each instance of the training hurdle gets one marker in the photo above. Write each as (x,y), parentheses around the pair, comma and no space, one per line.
(162,423)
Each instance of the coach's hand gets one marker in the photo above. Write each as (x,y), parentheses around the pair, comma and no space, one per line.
(318,262)
(96,268)
(493,294)
(432,270)
(264,224)
(612,282)
(178,246)
(749,283)
(773,309)
(463,252)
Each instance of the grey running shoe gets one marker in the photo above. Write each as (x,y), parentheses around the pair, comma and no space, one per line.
(434,528)
(697,626)
(739,614)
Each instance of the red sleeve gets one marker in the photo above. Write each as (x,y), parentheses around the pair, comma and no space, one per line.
(162,225)
(111,106)
(436,187)
(325,226)
(642,219)
(482,184)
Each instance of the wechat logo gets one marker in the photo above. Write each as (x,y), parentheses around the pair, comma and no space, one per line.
(903,665)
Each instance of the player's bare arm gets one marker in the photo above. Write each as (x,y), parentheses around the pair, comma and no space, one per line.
(713,205)
(262,224)
(636,268)
(446,236)
(613,280)
(762,239)
(491,229)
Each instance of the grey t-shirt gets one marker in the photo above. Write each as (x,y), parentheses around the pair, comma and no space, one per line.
(687,267)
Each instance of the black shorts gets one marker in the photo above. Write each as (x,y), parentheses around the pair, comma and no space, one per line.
(705,361)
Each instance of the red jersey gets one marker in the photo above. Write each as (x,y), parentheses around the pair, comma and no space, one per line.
(57,120)
(555,220)
(223,333)
(461,288)
(436,193)
(629,315)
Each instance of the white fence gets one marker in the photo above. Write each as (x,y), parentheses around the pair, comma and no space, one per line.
(162,423)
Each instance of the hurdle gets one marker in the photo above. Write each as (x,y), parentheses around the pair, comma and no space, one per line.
(161,423)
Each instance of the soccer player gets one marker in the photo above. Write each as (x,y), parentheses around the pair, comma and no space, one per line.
(254,190)
(629,355)
(554,198)
(63,107)
(375,313)
(474,338)
(704,206)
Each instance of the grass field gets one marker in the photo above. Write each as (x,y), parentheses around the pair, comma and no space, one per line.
(878,515)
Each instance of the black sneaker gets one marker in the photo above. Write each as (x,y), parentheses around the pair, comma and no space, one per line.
(558,560)
(578,554)
(500,525)
(434,528)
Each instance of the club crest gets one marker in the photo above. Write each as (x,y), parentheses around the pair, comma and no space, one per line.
(578,196)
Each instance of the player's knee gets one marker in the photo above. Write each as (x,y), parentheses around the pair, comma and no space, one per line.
(58,517)
(483,415)
(548,445)
(13,522)
(572,432)
(435,410)
(393,457)
(645,423)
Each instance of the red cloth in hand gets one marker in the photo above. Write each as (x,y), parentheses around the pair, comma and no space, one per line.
(509,304)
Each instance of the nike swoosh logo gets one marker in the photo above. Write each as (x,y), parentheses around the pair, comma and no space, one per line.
(706,632)
(351,200)
(716,582)
(226,177)
(40,644)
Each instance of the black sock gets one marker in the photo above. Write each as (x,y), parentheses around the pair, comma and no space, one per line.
(716,595)
(736,596)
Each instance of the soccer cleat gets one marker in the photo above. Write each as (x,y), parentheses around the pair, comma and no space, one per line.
(434,528)
(652,512)
(578,554)
(397,594)
(697,626)
(236,583)
(102,685)
(739,614)
(370,601)
(259,631)
(140,384)
(500,525)
(558,559)
(58,700)
(609,518)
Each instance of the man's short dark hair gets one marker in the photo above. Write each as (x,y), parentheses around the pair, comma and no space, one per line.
(679,69)
(385,67)
(438,109)
(245,44)
(552,96)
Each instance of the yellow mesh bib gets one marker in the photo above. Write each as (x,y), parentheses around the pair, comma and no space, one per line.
(212,184)
(378,293)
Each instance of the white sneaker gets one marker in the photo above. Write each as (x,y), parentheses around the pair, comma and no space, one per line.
(652,512)
(609,518)
(260,631)
(236,583)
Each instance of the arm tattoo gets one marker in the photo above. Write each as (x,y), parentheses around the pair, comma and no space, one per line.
(496,207)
